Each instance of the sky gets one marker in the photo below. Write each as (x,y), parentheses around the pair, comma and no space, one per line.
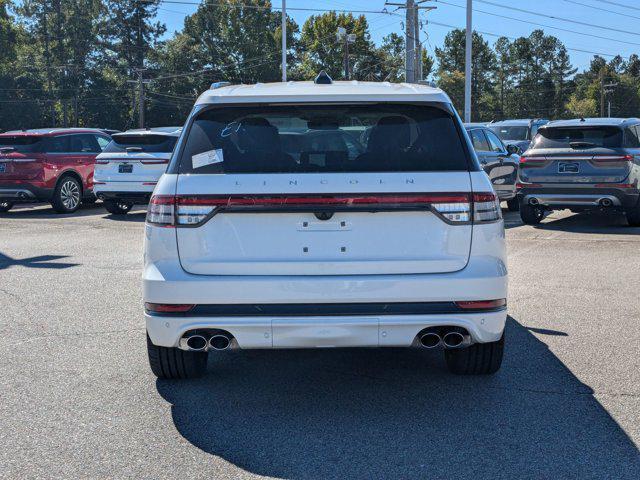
(605,27)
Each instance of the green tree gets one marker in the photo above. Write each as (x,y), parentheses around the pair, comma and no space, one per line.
(451,63)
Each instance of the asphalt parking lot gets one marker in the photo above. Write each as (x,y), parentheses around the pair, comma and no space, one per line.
(78,400)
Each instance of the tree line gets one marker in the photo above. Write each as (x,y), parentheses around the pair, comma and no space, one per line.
(77,62)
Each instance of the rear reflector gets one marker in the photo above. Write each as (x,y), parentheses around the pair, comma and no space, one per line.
(167,307)
(528,185)
(482,304)
(193,210)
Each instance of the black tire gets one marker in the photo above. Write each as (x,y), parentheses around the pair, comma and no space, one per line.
(117,208)
(513,205)
(67,196)
(477,359)
(5,206)
(175,364)
(633,216)
(531,215)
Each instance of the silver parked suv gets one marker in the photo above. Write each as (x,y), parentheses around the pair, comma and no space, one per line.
(582,164)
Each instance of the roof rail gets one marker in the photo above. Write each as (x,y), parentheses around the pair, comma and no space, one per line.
(216,85)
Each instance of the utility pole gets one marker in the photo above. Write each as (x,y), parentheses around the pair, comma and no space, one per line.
(348,38)
(141,82)
(413,47)
(467,63)
(284,40)
(602,92)
(608,89)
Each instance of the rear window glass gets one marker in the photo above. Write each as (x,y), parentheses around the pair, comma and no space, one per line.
(511,133)
(323,138)
(578,137)
(144,143)
(22,144)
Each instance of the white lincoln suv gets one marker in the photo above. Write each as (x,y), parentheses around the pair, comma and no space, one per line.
(324,214)
(128,169)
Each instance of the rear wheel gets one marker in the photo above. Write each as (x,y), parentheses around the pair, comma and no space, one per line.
(173,363)
(477,359)
(531,215)
(67,196)
(5,206)
(117,208)
(633,216)
(513,205)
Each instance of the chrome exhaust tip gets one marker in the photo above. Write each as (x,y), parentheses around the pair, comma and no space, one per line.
(605,202)
(533,201)
(453,339)
(430,340)
(196,343)
(219,342)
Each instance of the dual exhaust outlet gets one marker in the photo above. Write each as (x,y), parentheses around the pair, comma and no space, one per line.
(604,202)
(201,343)
(453,338)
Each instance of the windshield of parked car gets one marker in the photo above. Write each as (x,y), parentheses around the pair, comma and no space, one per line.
(511,133)
(20,143)
(143,143)
(578,137)
(323,138)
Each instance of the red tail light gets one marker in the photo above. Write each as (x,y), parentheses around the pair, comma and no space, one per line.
(167,307)
(156,161)
(193,210)
(482,304)
(613,158)
(529,185)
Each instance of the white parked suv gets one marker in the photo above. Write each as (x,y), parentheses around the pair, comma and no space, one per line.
(324,214)
(128,169)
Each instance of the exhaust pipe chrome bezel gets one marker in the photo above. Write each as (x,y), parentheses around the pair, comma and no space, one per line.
(453,339)
(215,345)
(427,340)
(195,338)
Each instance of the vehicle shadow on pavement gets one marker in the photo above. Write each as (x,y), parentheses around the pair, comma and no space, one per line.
(38,211)
(41,261)
(591,222)
(137,216)
(397,413)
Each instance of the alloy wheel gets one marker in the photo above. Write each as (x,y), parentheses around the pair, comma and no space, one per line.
(70,194)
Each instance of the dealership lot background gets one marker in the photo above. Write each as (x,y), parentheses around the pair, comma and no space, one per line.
(78,399)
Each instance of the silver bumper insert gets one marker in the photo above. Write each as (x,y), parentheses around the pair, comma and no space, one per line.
(547,199)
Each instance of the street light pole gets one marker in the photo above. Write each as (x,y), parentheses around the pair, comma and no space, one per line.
(284,40)
(467,64)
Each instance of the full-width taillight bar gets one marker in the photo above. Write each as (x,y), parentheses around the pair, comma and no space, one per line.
(193,210)
(480,305)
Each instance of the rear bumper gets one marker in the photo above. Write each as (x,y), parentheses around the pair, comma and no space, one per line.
(131,192)
(325,332)
(24,193)
(587,196)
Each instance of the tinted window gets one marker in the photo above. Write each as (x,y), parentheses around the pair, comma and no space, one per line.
(631,139)
(56,144)
(22,144)
(145,143)
(84,143)
(313,138)
(479,141)
(494,142)
(578,137)
(102,141)
(511,133)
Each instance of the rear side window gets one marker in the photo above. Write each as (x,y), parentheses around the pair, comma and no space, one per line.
(479,141)
(21,144)
(323,138)
(578,137)
(511,133)
(145,143)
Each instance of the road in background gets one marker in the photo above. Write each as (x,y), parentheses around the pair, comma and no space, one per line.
(78,399)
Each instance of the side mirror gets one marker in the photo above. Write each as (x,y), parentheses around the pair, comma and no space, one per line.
(513,149)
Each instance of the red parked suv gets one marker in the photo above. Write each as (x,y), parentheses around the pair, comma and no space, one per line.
(49,165)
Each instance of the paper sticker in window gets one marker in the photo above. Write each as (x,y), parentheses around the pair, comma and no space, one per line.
(207,158)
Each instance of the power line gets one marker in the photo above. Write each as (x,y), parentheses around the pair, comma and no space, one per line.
(590,35)
(627,15)
(561,19)
(619,4)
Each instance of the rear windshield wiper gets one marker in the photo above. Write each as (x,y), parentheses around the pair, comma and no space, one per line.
(134,149)
(581,144)
(7,149)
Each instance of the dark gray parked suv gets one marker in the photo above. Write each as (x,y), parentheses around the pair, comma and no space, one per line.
(499,161)
(519,132)
(582,164)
